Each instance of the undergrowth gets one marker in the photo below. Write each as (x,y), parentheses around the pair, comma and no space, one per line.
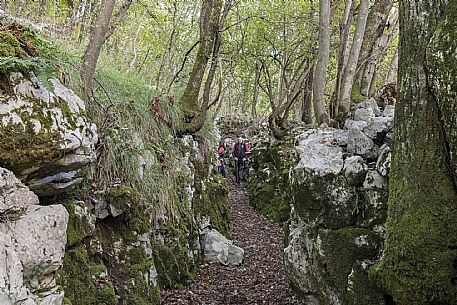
(137,147)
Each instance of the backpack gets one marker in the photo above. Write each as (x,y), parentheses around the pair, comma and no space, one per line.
(240,151)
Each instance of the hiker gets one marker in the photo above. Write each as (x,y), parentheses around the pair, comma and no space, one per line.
(222,153)
(239,151)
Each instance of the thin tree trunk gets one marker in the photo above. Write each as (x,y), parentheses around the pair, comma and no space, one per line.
(255,96)
(118,17)
(167,51)
(349,72)
(97,39)
(345,33)
(378,53)
(307,109)
(392,73)
(376,23)
(42,8)
(135,51)
(320,70)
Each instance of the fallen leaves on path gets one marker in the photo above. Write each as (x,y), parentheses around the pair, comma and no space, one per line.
(259,280)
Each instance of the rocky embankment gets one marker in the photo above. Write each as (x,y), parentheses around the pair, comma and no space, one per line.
(67,237)
(331,185)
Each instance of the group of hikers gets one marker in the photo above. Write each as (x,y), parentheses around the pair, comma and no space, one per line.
(239,153)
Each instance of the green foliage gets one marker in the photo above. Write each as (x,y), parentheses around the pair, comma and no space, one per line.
(359,201)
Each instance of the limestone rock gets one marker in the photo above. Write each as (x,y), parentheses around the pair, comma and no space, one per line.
(218,249)
(32,245)
(360,144)
(320,150)
(14,196)
(364,114)
(389,111)
(378,127)
(63,138)
(370,104)
(355,170)
(360,124)
(384,160)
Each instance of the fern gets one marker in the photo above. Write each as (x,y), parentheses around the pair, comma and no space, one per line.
(42,68)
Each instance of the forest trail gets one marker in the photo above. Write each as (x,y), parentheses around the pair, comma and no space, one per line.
(259,280)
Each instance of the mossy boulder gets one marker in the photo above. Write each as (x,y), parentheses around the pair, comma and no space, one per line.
(44,136)
(86,281)
(9,45)
(81,223)
(211,201)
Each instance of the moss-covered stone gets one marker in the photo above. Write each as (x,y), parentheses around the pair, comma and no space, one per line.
(211,200)
(269,190)
(342,249)
(173,266)
(86,281)
(78,225)
(9,45)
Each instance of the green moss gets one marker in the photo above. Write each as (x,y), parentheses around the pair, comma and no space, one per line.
(356,96)
(9,45)
(77,228)
(342,249)
(268,201)
(122,197)
(213,201)
(77,278)
(21,147)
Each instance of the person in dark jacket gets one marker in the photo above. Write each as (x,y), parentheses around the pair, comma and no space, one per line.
(239,151)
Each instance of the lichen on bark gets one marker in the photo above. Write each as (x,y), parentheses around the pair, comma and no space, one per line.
(419,265)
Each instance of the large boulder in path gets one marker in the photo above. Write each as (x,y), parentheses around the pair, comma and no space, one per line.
(218,249)
(32,245)
(44,134)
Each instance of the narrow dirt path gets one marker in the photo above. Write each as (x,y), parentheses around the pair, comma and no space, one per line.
(259,280)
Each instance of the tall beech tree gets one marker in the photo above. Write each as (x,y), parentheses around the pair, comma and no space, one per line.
(419,263)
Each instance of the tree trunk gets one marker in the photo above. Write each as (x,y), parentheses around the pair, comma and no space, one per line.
(42,8)
(97,39)
(345,33)
(118,17)
(307,109)
(419,263)
(376,22)
(320,70)
(391,75)
(349,72)
(368,86)
(255,95)
(209,25)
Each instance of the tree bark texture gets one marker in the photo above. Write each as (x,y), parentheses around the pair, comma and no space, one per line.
(345,34)
(255,95)
(349,72)
(209,27)
(97,39)
(307,108)
(320,70)
(392,73)
(379,51)
(420,258)
(376,23)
